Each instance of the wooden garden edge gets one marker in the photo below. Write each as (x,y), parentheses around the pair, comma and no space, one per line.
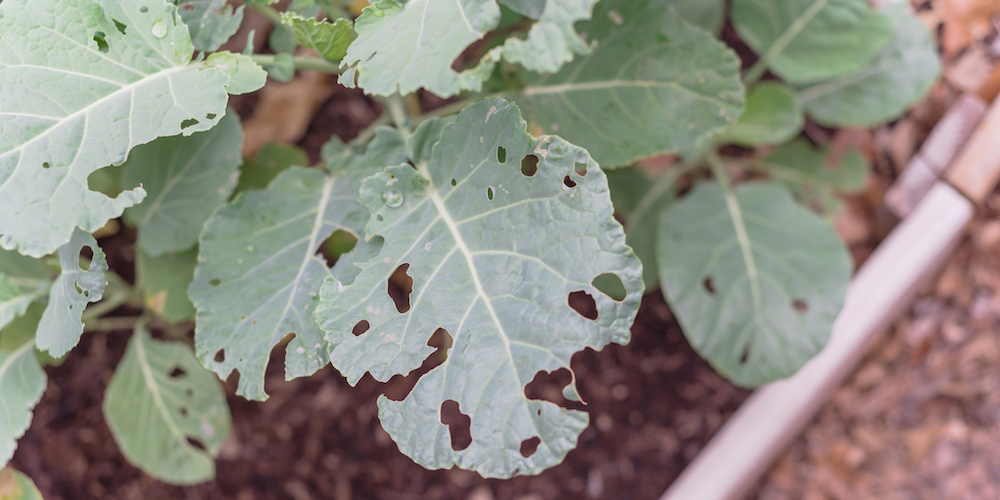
(753,437)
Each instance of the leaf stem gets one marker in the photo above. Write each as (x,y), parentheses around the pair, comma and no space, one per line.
(397,112)
(755,72)
(301,62)
(267,11)
(719,170)
(447,109)
(111,324)
(368,132)
(121,293)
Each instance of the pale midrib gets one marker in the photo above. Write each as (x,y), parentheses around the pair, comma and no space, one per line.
(747,249)
(154,390)
(576,87)
(173,182)
(86,111)
(793,30)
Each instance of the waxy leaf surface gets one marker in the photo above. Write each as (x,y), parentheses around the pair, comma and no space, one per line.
(755,279)
(652,85)
(164,280)
(22,382)
(83,83)
(210,22)
(494,248)
(772,116)
(258,274)
(159,398)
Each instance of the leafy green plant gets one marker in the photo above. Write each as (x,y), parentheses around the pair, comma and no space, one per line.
(502,218)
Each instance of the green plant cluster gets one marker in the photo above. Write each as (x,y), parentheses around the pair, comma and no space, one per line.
(505,210)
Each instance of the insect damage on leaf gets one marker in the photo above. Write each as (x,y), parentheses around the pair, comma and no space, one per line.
(494,255)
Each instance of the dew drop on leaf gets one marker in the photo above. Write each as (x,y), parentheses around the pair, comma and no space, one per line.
(159,29)
(392,198)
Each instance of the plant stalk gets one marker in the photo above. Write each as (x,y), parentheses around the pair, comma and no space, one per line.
(397,112)
(267,11)
(301,62)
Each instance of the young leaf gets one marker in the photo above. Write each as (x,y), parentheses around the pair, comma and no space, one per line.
(641,200)
(61,325)
(186,179)
(165,280)
(258,274)
(805,41)
(495,248)
(22,382)
(272,159)
(84,82)
(755,279)
(552,41)
(328,39)
(17,486)
(210,22)
(160,402)
(898,76)
(773,115)
(22,280)
(622,104)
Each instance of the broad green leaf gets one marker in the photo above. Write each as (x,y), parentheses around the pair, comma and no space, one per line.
(494,255)
(811,174)
(210,22)
(405,45)
(186,179)
(552,41)
(899,76)
(159,399)
(16,486)
(773,115)
(61,325)
(328,39)
(258,274)
(83,83)
(22,281)
(164,281)
(810,40)
(23,329)
(708,15)
(271,160)
(755,279)
(22,382)
(640,200)
(621,103)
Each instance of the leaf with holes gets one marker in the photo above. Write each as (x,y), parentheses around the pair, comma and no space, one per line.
(755,279)
(16,486)
(210,22)
(622,104)
(84,82)
(552,41)
(168,413)
(258,275)
(22,281)
(495,247)
(22,382)
(186,179)
(900,75)
(164,281)
(809,40)
(61,326)
(773,115)
(329,40)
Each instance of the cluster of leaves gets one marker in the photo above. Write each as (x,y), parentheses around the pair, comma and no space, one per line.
(501,233)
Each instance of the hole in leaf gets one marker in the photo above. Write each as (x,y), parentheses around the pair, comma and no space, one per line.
(210,116)
(530,446)
(583,303)
(144,9)
(568,183)
(197,444)
(184,411)
(215,282)
(501,155)
(529,165)
(102,44)
(177,372)
(339,243)
(46,165)
(459,425)
(399,287)
(709,286)
(120,25)
(189,392)
(86,256)
(399,386)
(548,386)
(746,354)
(379,218)
(454,182)
(580,169)
(800,306)
(361,327)
(77,287)
(220,356)
(190,122)
(611,285)
(188,7)
(489,193)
